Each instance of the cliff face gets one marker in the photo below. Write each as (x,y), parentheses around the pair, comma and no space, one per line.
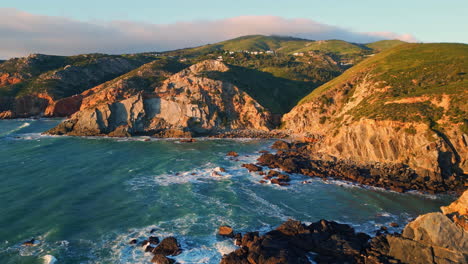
(380,112)
(33,85)
(183,105)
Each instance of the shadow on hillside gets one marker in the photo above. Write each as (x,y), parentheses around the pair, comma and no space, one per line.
(278,95)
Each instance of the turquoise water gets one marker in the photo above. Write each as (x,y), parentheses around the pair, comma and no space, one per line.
(85,198)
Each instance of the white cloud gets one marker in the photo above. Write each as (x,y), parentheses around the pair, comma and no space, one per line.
(24,33)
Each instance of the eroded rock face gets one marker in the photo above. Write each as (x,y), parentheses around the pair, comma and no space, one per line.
(306,159)
(431,153)
(185,102)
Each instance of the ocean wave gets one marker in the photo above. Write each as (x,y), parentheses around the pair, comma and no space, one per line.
(24,125)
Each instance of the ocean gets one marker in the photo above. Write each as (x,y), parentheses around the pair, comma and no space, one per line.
(84,199)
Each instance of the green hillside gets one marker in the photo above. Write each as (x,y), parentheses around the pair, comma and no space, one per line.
(282,45)
(384,44)
(407,71)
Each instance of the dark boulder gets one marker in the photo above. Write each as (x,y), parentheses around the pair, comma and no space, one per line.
(153,240)
(252,167)
(161,259)
(168,246)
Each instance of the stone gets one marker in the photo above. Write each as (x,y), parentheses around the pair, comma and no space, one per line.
(460,206)
(281,145)
(168,246)
(31,243)
(438,230)
(161,259)
(232,154)
(252,167)
(409,251)
(226,231)
(153,240)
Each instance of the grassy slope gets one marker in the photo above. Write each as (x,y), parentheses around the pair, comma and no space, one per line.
(384,44)
(411,70)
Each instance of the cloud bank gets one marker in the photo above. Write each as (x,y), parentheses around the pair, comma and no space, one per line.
(24,33)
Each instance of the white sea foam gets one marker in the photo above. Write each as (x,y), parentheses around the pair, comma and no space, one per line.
(49,259)
(195,248)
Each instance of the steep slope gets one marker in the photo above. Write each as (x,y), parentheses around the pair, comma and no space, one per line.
(31,84)
(187,103)
(405,105)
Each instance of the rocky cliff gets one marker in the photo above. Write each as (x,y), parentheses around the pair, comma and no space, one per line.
(32,86)
(405,105)
(186,104)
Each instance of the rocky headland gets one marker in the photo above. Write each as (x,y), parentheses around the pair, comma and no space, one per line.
(184,105)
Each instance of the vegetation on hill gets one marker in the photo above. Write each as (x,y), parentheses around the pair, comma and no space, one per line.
(62,76)
(148,76)
(280,46)
(384,44)
(409,83)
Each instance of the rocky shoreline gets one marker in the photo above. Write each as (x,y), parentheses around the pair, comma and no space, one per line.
(430,238)
(299,157)
(437,238)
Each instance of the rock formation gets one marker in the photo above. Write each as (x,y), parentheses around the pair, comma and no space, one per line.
(432,238)
(306,159)
(185,104)
(384,110)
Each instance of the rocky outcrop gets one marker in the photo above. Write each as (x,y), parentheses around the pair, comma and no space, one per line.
(303,158)
(291,241)
(431,238)
(185,104)
(371,115)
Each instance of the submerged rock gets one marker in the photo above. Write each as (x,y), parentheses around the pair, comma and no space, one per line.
(31,243)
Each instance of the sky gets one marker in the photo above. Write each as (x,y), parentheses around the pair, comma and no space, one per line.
(124,26)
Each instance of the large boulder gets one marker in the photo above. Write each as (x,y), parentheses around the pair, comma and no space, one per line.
(432,238)
(168,246)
